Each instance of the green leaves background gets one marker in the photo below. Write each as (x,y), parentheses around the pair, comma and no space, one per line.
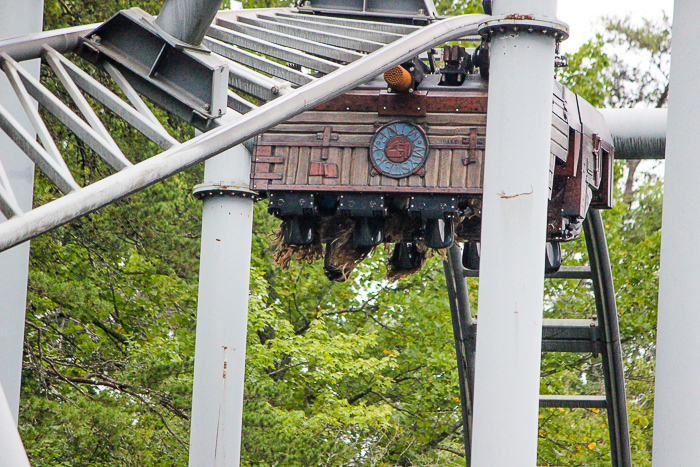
(355,374)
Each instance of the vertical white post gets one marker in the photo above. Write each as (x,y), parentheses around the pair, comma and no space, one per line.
(16,19)
(12,452)
(513,235)
(222,311)
(677,397)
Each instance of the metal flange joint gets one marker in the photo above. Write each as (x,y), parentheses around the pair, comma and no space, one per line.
(205,190)
(516,23)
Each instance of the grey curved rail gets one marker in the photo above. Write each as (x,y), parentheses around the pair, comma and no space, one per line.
(611,353)
(600,336)
(464,330)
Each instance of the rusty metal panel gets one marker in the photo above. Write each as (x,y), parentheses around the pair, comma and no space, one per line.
(329,149)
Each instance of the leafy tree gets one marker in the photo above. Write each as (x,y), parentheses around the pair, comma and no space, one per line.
(644,80)
(110,334)
(579,437)
(352,374)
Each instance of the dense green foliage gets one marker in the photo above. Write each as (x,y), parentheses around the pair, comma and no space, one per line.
(599,74)
(354,374)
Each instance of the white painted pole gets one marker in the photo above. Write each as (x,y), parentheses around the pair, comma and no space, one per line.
(222,311)
(677,397)
(513,235)
(12,452)
(17,18)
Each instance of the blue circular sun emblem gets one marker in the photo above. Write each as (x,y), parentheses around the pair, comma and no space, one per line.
(399,149)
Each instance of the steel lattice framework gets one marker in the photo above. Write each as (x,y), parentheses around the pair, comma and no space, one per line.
(251,43)
(289,60)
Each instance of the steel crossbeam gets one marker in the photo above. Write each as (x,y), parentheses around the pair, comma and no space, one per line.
(309,46)
(271,49)
(392,28)
(344,31)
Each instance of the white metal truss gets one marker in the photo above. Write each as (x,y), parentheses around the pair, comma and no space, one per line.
(324,55)
(286,60)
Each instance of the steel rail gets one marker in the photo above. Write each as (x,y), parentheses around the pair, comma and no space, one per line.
(135,178)
(566,272)
(367,34)
(270,49)
(607,327)
(392,28)
(465,339)
(30,46)
(604,289)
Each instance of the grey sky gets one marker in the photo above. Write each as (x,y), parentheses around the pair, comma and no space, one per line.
(583,15)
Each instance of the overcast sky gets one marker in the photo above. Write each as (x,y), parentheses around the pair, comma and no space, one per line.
(583,15)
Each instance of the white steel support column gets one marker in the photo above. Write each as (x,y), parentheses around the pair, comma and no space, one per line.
(16,19)
(677,397)
(513,234)
(222,311)
(12,452)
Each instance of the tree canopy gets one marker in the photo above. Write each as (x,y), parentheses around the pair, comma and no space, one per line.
(359,373)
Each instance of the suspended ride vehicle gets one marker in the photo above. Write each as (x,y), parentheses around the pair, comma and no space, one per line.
(400,160)
(347,159)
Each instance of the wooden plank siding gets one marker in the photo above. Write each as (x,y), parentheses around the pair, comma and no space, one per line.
(328,150)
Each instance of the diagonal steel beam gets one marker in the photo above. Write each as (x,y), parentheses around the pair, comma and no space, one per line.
(157,168)
(152,131)
(132,95)
(50,150)
(61,111)
(8,202)
(52,57)
(51,168)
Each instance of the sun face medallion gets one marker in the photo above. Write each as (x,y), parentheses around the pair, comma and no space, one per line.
(399,149)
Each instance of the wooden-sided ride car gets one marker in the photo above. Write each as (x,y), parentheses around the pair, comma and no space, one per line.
(405,166)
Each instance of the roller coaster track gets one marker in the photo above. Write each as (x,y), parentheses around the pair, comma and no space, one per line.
(325,64)
(325,56)
(599,336)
